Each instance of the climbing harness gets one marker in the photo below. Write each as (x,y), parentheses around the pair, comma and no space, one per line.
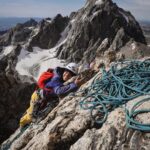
(123,82)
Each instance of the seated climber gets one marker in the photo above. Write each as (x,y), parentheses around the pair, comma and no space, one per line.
(53,89)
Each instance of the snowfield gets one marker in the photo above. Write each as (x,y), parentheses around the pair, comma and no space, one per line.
(7,50)
(34,63)
(38,61)
(99,2)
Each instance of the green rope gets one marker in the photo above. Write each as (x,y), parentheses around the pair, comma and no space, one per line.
(123,82)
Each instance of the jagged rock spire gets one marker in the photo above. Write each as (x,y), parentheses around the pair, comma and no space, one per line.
(96,21)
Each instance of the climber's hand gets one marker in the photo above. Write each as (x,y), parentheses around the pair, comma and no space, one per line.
(79,81)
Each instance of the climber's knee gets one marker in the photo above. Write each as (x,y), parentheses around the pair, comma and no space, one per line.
(26,119)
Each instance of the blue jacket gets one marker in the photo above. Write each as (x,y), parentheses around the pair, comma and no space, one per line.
(57,86)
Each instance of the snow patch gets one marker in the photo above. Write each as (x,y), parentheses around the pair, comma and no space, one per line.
(99,2)
(34,33)
(49,21)
(95,13)
(133,45)
(31,28)
(72,21)
(7,50)
(36,62)
(84,16)
(104,41)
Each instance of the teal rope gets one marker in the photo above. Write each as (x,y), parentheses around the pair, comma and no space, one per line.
(116,87)
(130,117)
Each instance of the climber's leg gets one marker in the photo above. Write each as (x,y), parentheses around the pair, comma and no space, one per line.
(27,118)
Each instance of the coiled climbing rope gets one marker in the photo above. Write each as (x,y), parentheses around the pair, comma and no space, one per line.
(130,116)
(123,82)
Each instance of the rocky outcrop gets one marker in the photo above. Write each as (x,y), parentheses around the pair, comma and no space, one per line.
(15,94)
(14,100)
(98,21)
(6,38)
(8,63)
(30,23)
(113,136)
(68,126)
(49,32)
(20,33)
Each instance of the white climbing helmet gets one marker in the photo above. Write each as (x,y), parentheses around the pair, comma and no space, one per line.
(73,67)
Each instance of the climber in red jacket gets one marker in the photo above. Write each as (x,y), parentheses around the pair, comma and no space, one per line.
(53,89)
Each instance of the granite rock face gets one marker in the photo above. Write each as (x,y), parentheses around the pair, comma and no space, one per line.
(20,33)
(15,92)
(68,126)
(95,22)
(49,32)
(14,100)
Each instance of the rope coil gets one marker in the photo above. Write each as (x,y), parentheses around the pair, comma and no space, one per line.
(123,82)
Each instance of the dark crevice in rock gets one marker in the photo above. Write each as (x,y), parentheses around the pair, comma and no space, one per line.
(15,96)
(66,144)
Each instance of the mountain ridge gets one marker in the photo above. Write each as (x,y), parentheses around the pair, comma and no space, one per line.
(9,22)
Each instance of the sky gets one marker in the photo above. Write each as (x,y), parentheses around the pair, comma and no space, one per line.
(49,8)
(139,8)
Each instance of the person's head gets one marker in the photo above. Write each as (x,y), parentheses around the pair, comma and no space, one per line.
(70,71)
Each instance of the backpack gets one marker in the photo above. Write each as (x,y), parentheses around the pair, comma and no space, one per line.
(44,78)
